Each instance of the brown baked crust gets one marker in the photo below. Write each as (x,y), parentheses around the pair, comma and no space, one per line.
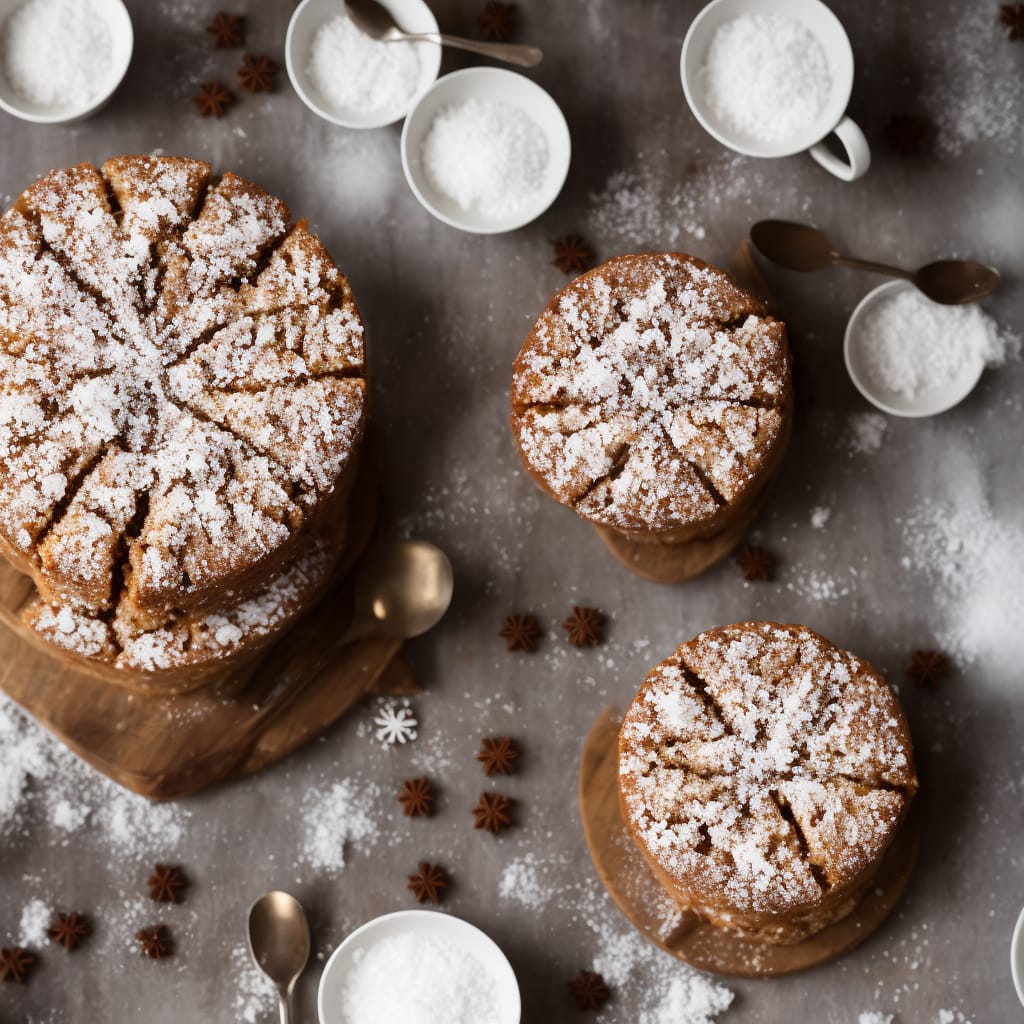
(764,773)
(653,395)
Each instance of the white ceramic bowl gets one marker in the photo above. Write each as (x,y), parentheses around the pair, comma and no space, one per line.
(122,40)
(421,922)
(928,404)
(1017,957)
(310,15)
(490,85)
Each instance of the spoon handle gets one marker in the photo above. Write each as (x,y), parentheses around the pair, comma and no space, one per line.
(284,1002)
(872,267)
(511,53)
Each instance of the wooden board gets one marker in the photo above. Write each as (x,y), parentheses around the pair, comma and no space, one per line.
(166,747)
(624,873)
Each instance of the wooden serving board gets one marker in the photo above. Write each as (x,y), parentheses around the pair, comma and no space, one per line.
(624,873)
(167,747)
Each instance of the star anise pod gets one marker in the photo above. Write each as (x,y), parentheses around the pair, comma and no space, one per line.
(68,930)
(756,564)
(257,73)
(907,134)
(1011,17)
(156,942)
(927,668)
(498,756)
(589,990)
(417,797)
(15,964)
(226,30)
(213,99)
(495,20)
(428,883)
(521,632)
(166,883)
(572,254)
(585,627)
(493,813)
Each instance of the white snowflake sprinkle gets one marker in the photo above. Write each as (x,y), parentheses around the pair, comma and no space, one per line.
(395,725)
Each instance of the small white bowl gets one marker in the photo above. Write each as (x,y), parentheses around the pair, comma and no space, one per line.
(1017,957)
(310,15)
(930,403)
(492,85)
(421,922)
(122,41)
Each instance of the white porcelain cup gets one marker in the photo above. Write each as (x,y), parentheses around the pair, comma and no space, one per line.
(829,32)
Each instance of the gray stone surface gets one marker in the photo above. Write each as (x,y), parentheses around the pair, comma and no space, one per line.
(446,313)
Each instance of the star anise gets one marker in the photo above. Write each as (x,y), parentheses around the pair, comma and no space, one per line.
(495,20)
(521,632)
(68,930)
(1011,17)
(572,254)
(226,30)
(756,564)
(927,668)
(166,883)
(493,813)
(15,964)
(498,756)
(417,797)
(213,99)
(156,942)
(257,73)
(589,990)
(428,883)
(907,134)
(585,627)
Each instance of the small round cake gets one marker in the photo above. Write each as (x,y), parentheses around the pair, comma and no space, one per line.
(653,396)
(182,400)
(764,773)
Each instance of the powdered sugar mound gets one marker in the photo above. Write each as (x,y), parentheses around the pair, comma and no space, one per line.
(820,516)
(521,883)
(336,817)
(874,1017)
(35,919)
(691,999)
(865,432)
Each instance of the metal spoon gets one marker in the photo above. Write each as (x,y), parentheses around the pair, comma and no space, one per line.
(378,23)
(799,247)
(279,943)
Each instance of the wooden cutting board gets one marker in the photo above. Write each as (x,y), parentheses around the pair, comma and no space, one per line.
(630,882)
(166,747)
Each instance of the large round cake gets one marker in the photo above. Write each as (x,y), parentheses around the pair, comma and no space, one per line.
(653,396)
(183,398)
(764,773)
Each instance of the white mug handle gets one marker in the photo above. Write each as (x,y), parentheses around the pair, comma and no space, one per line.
(857,152)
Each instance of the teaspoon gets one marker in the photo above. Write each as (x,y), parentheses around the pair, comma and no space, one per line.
(279,943)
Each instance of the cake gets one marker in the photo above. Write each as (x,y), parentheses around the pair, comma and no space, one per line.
(183,400)
(653,396)
(764,772)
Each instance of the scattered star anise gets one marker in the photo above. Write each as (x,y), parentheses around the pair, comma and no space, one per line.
(493,813)
(927,668)
(15,964)
(572,254)
(417,797)
(907,134)
(68,930)
(756,564)
(428,883)
(257,73)
(589,990)
(521,632)
(498,756)
(156,942)
(585,627)
(1011,17)
(166,883)
(226,30)
(213,99)
(495,20)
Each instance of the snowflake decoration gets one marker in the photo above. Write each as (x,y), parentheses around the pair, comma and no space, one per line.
(395,725)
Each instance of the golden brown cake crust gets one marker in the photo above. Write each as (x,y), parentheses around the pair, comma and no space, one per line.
(653,395)
(764,772)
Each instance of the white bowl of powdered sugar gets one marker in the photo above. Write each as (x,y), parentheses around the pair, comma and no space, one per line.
(418,965)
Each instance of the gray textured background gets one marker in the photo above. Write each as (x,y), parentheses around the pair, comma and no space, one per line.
(445,314)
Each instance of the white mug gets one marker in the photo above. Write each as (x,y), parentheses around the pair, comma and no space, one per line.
(829,32)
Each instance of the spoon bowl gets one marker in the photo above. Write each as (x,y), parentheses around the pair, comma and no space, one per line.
(956,282)
(279,943)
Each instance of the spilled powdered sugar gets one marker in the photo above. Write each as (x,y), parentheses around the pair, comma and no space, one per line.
(334,817)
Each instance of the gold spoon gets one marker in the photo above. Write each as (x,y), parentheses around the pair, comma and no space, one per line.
(279,943)
(376,21)
(799,247)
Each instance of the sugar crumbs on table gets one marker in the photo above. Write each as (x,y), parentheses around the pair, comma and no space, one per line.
(16,964)
(908,135)
(428,883)
(874,1017)
(166,883)
(493,813)
(417,797)
(572,254)
(589,990)
(155,942)
(756,563)
(927,668)
(498,756)
(1011,17)
(68,930)
(585,626)
(214,99)
(521,632)
(257,73)
(496,20)
(227,30)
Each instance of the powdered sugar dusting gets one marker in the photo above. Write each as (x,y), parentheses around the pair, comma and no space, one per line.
(335,817)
